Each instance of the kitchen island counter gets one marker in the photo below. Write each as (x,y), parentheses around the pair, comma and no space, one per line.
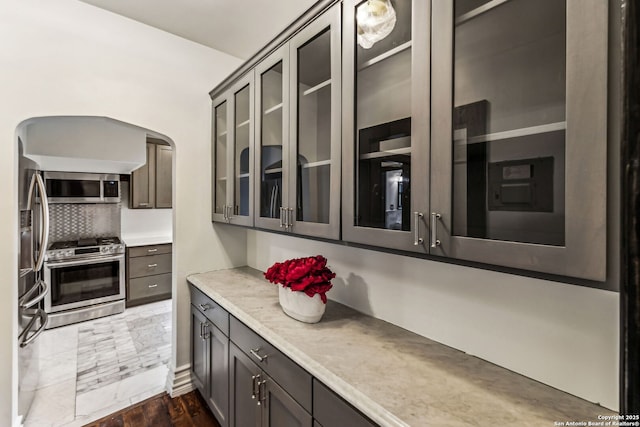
(394,376)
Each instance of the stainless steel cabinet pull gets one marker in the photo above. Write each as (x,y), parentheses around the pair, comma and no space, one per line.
(290,218)
(204,307)
(417,240)
(255,380)
(434,229)
(201,330)
(152,250)
(152,265)
(261,394)
(143,204)
(257,355)
(229,212)
(205,333)
(155,285)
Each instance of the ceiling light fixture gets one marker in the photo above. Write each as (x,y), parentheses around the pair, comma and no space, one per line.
(375,20)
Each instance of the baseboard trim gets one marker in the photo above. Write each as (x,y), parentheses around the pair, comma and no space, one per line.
(179,381)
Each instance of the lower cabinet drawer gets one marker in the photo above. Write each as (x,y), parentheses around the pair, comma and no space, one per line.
(148,265)
(330,410)
(284,371)
(149,286)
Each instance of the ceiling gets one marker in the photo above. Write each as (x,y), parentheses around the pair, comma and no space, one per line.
(237,27)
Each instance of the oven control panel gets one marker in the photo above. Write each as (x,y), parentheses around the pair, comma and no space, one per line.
(75,253)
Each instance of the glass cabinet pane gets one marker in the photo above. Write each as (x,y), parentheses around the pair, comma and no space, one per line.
(383,120)
(313,175)
(271,142)
(220,155)
(242,123)
(509,85)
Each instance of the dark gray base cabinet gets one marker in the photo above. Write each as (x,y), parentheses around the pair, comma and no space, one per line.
(257,400)
(148,273)
(247,382)
(210,356)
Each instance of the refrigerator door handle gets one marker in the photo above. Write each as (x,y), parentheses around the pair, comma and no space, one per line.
(24,338)
(26,301)
(36,179)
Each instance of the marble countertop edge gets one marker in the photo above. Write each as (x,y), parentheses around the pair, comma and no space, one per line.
(349,393)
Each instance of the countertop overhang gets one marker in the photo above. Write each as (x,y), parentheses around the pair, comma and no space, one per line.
(395,377)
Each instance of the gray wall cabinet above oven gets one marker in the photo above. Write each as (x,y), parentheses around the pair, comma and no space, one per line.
(151,184)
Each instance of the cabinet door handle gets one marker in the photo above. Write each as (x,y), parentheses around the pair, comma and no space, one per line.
(201,330)
(417,240)
(434,229)
(152,265)
(155,285)
(261,394)
(152,250)
(254,352)
(204,307)
(143,204)
(205,333)
(255,379)
(290,218)
(229,212)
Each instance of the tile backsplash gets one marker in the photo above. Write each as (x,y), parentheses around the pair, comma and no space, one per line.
(71,221)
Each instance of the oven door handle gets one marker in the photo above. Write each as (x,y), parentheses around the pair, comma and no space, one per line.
(83,261)
(25,301)
(24,338)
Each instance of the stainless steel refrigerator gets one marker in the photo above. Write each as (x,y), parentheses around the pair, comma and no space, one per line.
(33,239)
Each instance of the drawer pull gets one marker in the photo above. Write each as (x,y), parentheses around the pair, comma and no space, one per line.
(155,285)
(204,307)
(152,265)
(257,355)
(152,250)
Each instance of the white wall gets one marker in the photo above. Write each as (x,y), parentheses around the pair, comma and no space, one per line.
(64,57)
(136,223)
(559,334)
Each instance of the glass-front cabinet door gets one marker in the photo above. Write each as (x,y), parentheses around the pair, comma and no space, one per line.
(272,135)
(220,159)
(519,105)
(386,123)
(314,132)
(233,134)
(298,132)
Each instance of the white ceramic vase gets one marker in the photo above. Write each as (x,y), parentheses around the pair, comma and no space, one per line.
(301,306)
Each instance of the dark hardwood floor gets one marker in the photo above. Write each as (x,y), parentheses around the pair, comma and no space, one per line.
(188,410)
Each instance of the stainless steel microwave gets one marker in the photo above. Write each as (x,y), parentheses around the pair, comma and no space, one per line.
(75,187)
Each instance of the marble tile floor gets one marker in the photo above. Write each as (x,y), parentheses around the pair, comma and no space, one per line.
(92,369)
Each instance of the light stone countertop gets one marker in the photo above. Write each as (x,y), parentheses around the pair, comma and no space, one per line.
(142,240)
(394,376)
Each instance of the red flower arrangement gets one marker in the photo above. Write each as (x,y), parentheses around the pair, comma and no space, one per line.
(309,275)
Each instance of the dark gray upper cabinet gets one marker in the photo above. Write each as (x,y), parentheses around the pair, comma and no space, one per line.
(519,131)
(472,130)
(385,130)
(232,141)
(151,184)
(298,132)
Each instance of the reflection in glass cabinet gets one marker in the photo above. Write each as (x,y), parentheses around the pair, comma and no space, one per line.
(271,141)
(314,129)
(220,155)
(383,125)
(509,74)
(242,138)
